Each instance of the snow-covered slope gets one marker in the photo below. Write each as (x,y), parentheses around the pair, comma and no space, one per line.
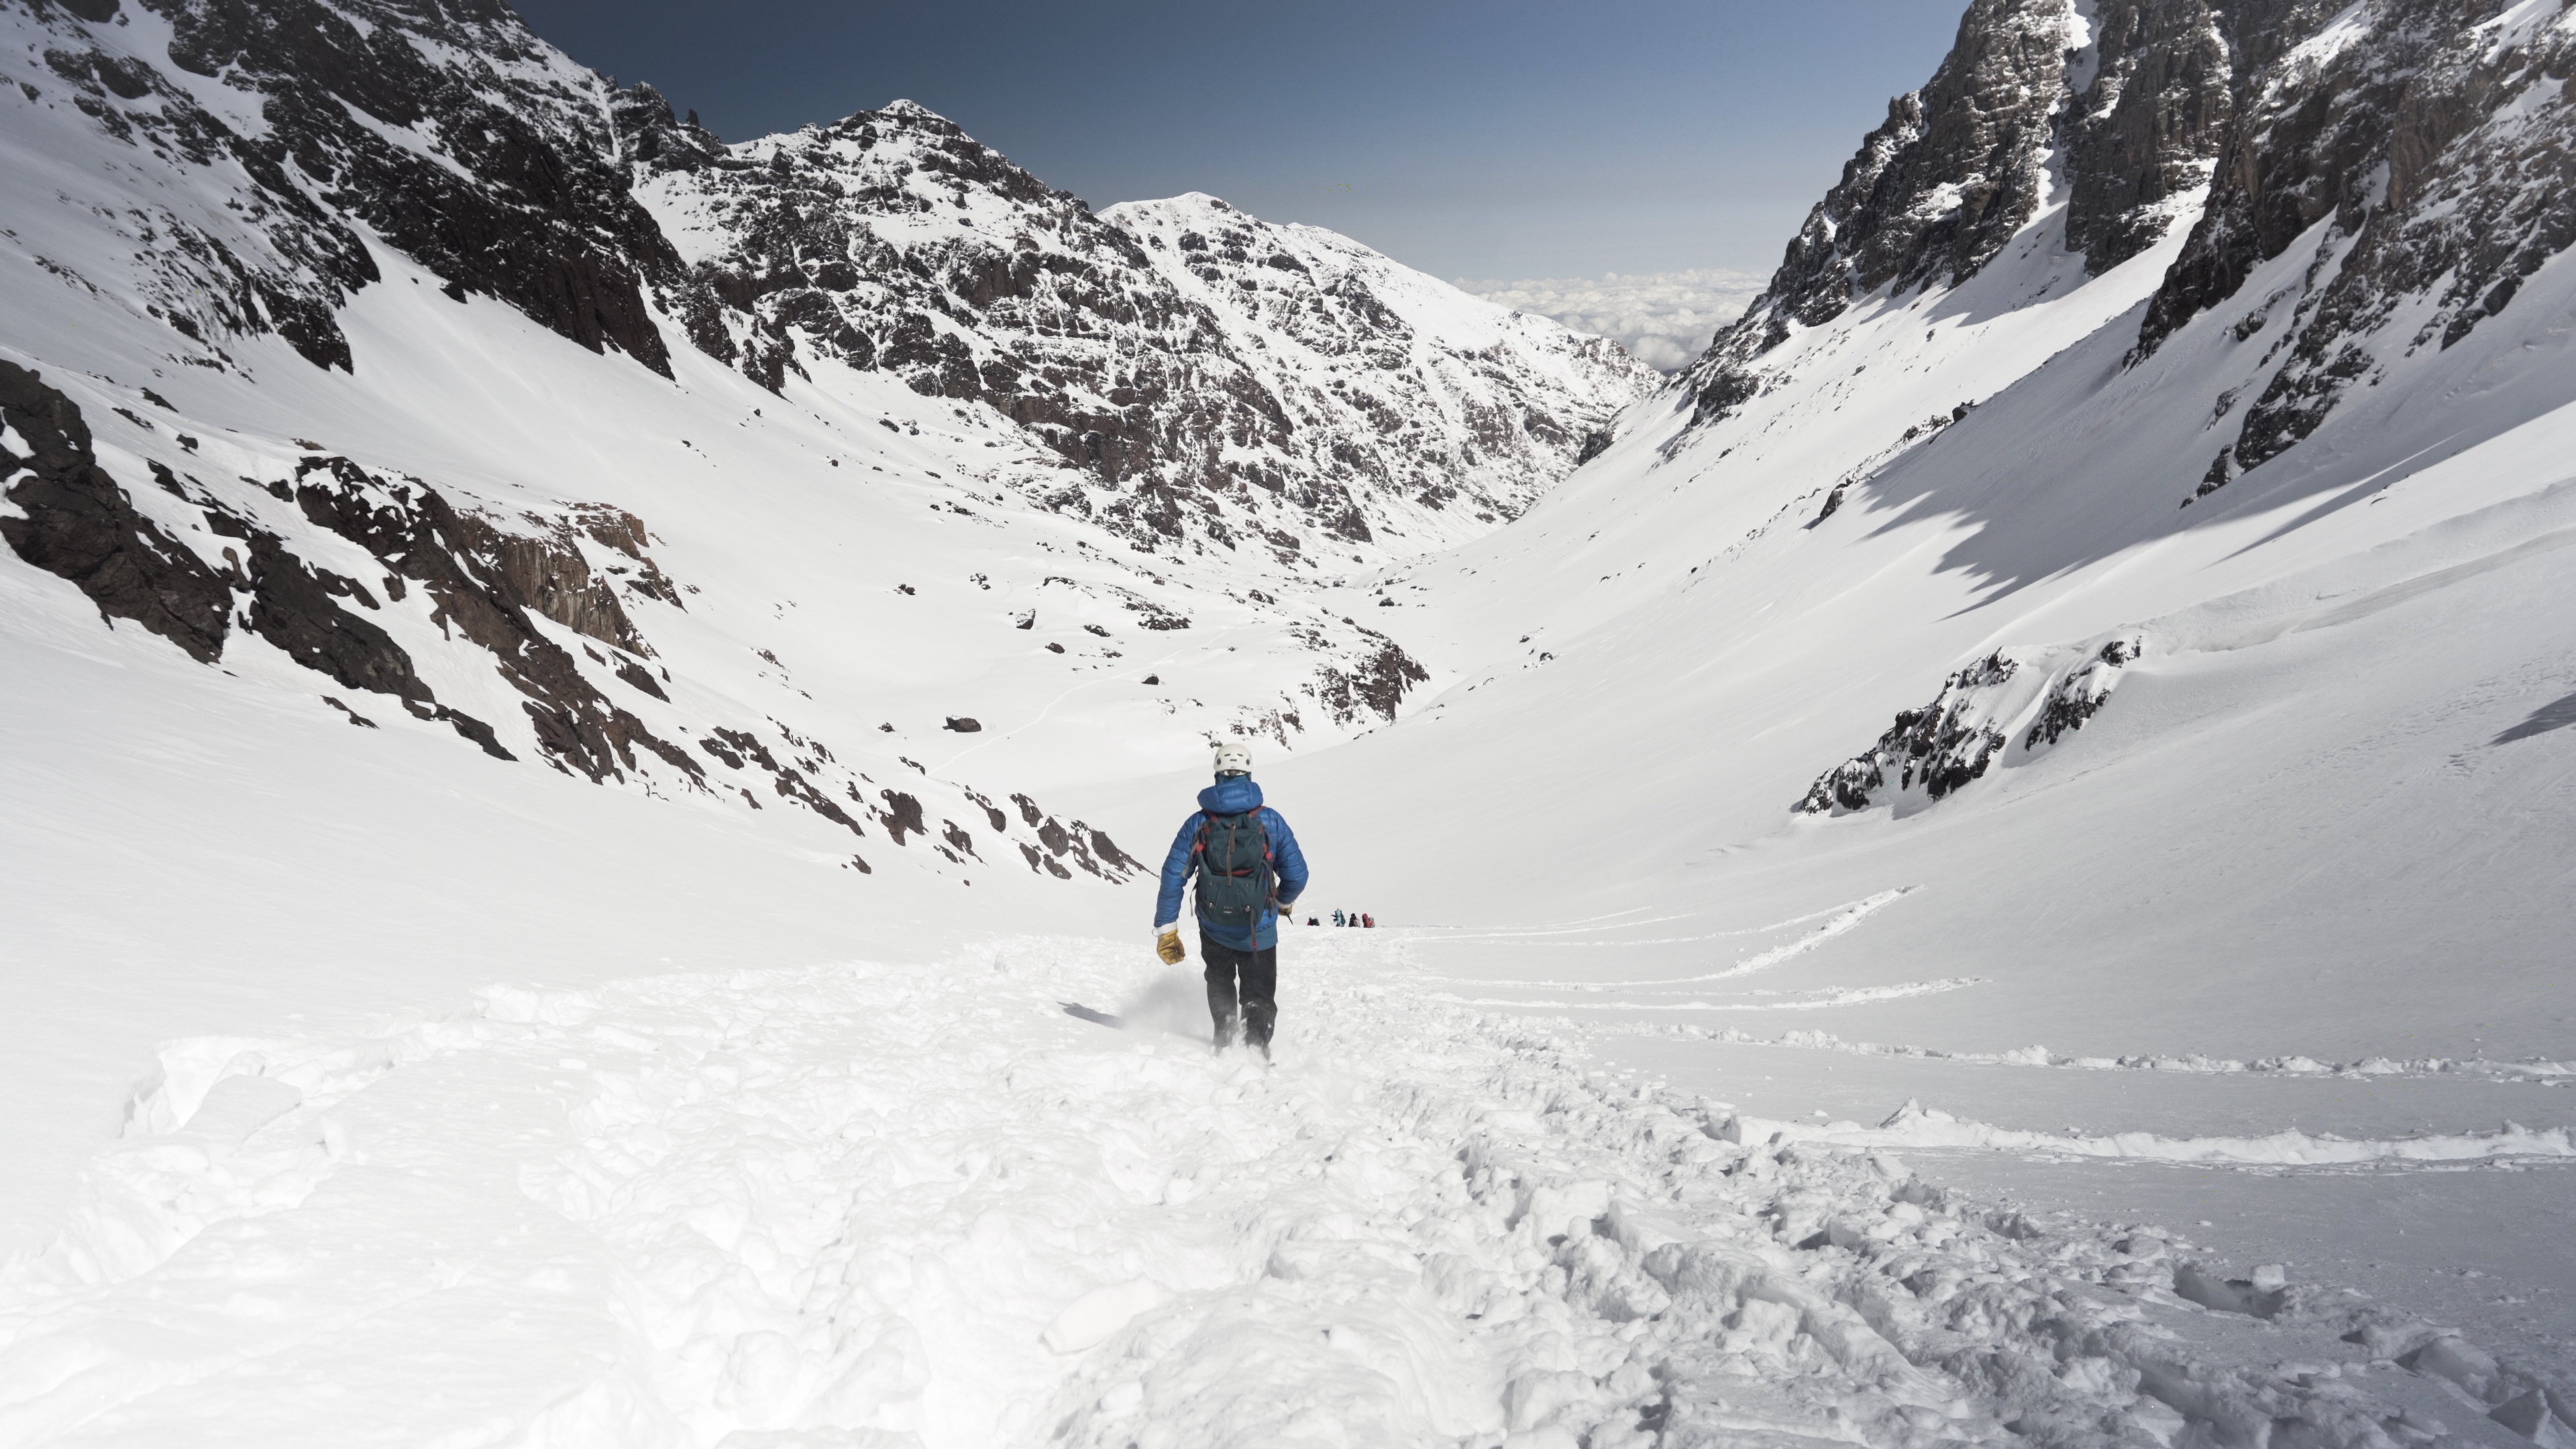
(371,368)
(1905,690)
(190,185)
(1920,581)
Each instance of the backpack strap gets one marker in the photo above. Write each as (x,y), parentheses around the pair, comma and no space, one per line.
(1269,864)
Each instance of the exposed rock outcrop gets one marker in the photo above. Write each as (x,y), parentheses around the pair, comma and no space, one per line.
(485,584)
(69,518)
(1376,684)
(2434,143)
(1968,728)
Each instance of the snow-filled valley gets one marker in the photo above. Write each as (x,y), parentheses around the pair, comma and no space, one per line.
(1991,862)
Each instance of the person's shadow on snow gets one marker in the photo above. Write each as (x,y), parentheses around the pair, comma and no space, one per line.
(1080,1012)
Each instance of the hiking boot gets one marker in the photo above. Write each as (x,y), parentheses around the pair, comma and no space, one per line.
(1224,1033)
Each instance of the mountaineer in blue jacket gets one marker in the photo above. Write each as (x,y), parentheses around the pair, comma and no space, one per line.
(1248,869)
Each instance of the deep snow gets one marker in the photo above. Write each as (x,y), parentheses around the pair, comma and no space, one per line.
(1009,1196)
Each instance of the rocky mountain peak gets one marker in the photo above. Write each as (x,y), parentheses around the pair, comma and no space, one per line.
(1197,375)
(888,241)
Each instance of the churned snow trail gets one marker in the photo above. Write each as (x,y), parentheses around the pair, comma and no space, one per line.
(1012,1198)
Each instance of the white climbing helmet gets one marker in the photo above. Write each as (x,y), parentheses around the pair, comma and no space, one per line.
(1233,759)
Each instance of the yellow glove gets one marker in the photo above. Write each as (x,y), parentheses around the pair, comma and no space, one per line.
(1168,945)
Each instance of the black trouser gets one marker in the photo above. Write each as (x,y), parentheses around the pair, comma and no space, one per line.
(1258,972)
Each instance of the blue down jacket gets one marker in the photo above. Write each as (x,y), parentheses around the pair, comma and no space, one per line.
(1232,796)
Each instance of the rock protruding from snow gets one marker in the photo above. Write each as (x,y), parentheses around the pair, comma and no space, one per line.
(1970,725)
(72,520)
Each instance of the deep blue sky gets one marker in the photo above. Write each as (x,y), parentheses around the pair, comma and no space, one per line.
(1510,139)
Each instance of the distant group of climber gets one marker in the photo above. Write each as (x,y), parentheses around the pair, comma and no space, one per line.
(1347,918)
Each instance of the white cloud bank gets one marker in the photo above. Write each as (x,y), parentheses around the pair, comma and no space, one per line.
(1664,319)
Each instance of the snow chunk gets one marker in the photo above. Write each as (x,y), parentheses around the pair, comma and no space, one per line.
(1089,1320)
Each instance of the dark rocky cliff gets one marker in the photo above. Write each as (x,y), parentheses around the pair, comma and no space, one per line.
(2129,119)
(443,127)
(2433,150)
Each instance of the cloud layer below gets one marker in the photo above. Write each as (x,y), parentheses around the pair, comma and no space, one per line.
(1664,319)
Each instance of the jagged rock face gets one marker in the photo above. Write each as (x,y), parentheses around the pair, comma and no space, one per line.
(1202,372)
(2436,145)
(445,128)
(2431,140)
(72,520)
(2129,106)
(2144,131)
(1956,169)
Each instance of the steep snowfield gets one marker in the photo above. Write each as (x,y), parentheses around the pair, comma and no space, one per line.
(2334,661)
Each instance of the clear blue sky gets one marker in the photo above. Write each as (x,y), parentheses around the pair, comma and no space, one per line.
(1512,139)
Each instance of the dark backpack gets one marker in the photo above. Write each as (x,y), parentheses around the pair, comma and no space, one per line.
(1235,877)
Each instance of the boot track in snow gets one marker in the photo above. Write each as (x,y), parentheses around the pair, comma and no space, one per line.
(955,1205)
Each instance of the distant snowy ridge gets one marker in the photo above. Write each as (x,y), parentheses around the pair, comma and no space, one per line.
(1198,375)
(888,241)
